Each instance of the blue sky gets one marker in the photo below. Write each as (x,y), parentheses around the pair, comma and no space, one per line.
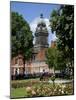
(31,12)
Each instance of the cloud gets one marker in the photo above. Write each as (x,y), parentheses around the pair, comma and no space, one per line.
(33,26)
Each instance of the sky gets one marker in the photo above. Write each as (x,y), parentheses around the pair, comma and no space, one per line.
(31,13)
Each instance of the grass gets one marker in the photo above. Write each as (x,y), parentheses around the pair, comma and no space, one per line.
(18,92)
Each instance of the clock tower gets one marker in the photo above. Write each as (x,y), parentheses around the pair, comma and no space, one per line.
(41,39)
(41,35)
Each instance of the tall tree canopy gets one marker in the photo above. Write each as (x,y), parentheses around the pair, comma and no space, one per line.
(62,22)
(22,39)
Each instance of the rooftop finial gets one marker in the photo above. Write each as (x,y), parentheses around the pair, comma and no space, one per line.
(41,15)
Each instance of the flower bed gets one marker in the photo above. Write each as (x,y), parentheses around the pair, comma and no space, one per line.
(36,88)
(50,90)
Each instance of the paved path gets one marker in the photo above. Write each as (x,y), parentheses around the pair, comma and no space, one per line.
(61,81)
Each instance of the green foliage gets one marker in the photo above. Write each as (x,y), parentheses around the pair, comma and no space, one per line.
(62,22)
(24,83)
(22,39)
(51,57)
(54,58)
(61,64)
(17,22)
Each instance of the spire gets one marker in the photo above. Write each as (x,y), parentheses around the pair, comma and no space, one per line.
(41,15)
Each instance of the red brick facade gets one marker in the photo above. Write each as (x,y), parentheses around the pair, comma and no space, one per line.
(30,67)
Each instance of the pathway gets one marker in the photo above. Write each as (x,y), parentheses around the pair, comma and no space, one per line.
(61,81)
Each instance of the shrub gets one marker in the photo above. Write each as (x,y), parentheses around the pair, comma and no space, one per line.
(20,84)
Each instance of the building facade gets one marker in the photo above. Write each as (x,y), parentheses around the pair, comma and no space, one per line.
(37,64)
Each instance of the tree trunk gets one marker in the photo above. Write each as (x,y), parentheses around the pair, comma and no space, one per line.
(54,70)
(23,66)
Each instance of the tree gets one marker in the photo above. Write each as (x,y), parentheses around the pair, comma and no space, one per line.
(22,39)
(51,58)
(54,58)
(62,22)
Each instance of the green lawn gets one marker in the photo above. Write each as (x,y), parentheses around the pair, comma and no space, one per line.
(18,92)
